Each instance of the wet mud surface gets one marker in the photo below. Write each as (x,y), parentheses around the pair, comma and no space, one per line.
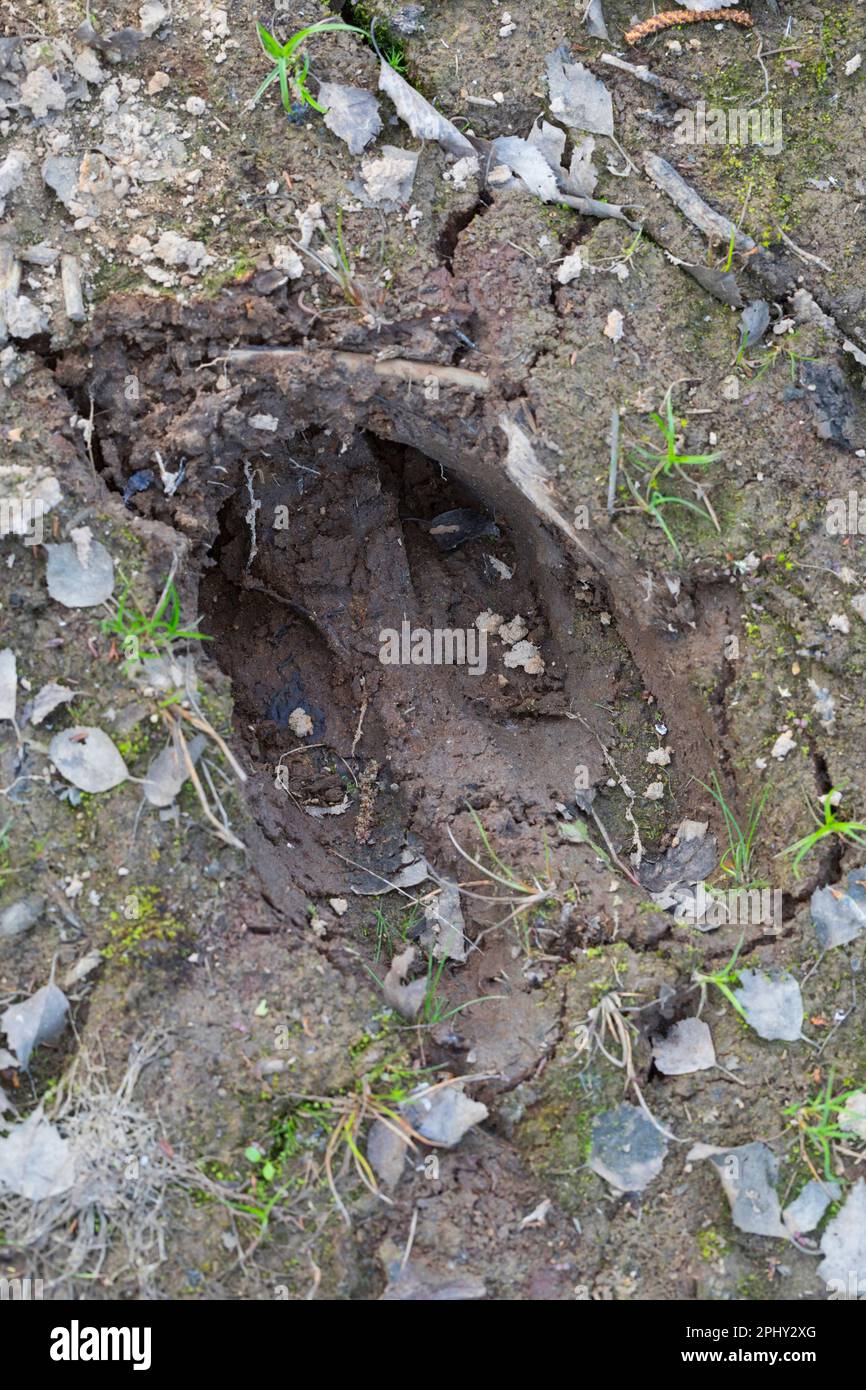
(300,541)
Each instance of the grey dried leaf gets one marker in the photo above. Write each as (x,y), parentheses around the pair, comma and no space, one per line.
(88,759)
(122,43)
(39,1019)
(721,284)
(803,1214)
(687,1047)
(424,121)
(688,861)
(582,174)
(76,585)
(445,925)
(352,114)
(443,1114)
(594,21)
(36,1162)
(20,916)
(409,876)
(386,1152)
(843,1244)
(628,1151)
(8,684)
(773,1005)
(46,700)
(748,1175)
(167,772)
(577,97)
(754,322)
(406,999)
(550,141)
(529,164)
(840,916)
(853,1116)
(82,968)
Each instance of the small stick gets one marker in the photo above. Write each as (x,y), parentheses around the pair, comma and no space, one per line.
(804,255)
(73,299)
(224,834)
(661,84)
(220,742)
(614,460)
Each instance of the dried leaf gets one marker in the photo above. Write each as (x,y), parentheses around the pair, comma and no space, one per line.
(549,140)
(594,21)
(529,164)
(444,1114)
(36,1162)
(424,121)
(41,1018)
(352,114)
(628,1151)
(8,683)
(754,322)
(687,1047)
(168,771)
(803,1214)
(577,97)
(76,585)
(445,926)
(772,1005)
(406,999)
(47,699)
(748,1175)
(409,876)
(88,759)
(843,1245)
(840,916)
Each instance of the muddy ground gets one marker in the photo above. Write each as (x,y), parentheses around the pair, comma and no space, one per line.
(249,979)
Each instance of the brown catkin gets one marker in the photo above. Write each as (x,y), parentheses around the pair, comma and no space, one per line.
(670,18)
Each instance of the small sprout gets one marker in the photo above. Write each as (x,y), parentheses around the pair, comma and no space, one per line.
(851,831)
(660,463)
(291,68)
(724,980)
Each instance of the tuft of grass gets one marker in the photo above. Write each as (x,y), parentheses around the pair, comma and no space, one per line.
(661,462)
(350,1113)
(387,934)
(144,637)
(818,1124)
(851,831)
(737,862)
(292,64)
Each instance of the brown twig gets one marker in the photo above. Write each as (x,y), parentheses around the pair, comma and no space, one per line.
(221,830)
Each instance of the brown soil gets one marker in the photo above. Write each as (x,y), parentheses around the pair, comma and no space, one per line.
(255,988)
